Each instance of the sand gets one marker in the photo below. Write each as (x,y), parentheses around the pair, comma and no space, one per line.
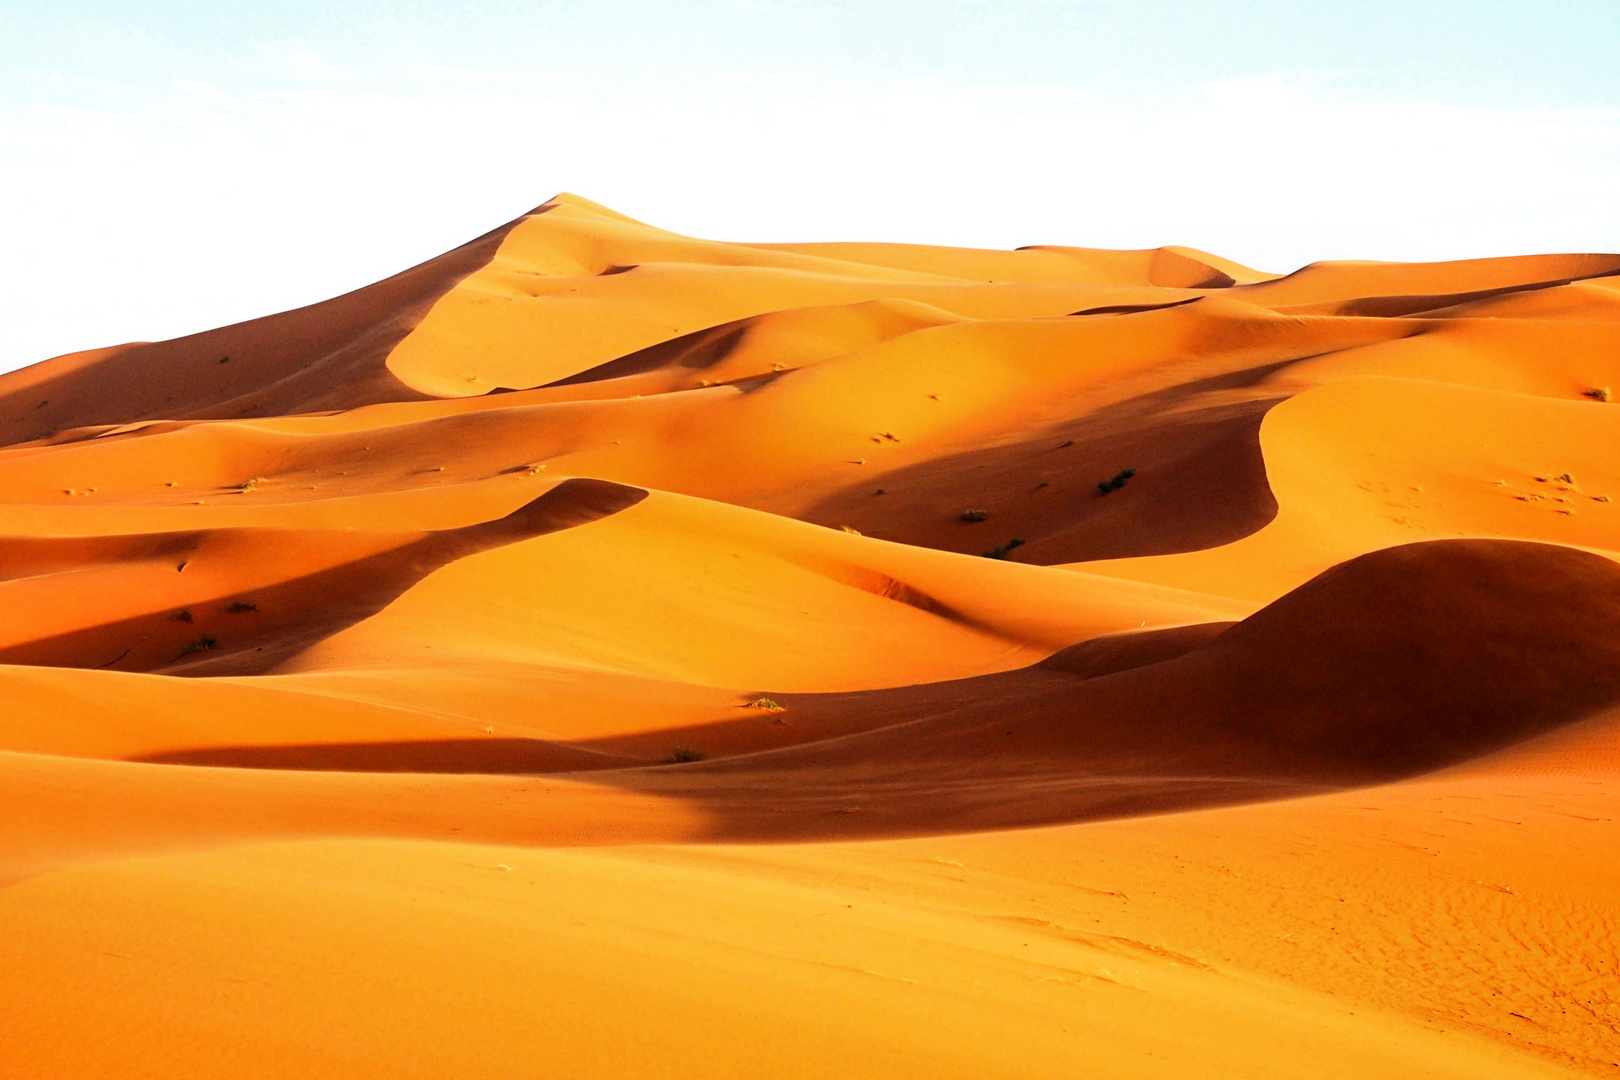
(603,652)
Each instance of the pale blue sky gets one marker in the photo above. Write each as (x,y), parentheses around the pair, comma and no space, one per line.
(165,167)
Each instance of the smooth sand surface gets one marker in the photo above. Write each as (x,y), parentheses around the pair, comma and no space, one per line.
(602,652)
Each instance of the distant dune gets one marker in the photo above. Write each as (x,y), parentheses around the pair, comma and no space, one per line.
(598,652)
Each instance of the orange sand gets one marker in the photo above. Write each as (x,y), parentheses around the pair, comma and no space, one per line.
(345,651)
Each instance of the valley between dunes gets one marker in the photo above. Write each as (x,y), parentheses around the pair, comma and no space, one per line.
(599,652)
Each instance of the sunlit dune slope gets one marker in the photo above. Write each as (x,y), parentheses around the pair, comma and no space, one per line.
(599,651)
(1367,463)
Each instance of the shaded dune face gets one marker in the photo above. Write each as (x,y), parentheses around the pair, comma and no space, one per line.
(1398,662)
(1200,483)
(1414,657)
(323,356)
(252,597)
(1395,663)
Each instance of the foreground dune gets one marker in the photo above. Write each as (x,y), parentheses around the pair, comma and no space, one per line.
(600,652)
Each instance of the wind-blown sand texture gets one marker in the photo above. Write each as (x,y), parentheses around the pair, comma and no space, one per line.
(345,652)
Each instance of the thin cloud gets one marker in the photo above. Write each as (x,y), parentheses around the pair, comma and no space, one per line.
(206,203)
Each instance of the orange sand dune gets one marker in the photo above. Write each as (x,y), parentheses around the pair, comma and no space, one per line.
(604,652)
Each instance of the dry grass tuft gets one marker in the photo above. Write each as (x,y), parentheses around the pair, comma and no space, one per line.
(201,644)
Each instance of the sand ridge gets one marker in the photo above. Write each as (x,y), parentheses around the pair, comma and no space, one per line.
(1033,662)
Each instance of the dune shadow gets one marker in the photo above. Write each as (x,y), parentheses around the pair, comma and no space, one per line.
(1388,666)
(270,624)
(328,355)
(697,351)
(1199,481)
(1394,305)
(1135,309)
(492,756)
(1391,665)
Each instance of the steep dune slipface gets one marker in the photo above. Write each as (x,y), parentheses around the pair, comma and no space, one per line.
(1140,664)
(1369,463)
(326,356)
(242,598)
(1395,663)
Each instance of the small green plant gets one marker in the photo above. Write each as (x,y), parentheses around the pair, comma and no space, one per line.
(201,644)
(852,530)
(1116,483)
(240,606)
(683,754)
(974,515)
(249,485)
(765,703)
(183,615)
(1598,393)
(1001,551)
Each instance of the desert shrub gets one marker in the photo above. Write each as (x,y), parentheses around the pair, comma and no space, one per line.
(765,703)
(202,643)
(239,606)
(683,754)
(1598,393)
(1106,486)
(1001,551)
(974,515)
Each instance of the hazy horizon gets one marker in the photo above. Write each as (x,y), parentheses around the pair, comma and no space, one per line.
(182,168)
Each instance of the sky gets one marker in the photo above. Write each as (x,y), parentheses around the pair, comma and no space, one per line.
(167,167)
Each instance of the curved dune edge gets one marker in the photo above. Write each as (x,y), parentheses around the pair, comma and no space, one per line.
(326,356)
(1224,677)
(1396,663)
(1362,676)
(215,602)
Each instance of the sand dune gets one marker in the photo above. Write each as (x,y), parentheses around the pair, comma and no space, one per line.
(604,652)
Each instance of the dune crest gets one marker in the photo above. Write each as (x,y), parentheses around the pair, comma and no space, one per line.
(1023,663)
